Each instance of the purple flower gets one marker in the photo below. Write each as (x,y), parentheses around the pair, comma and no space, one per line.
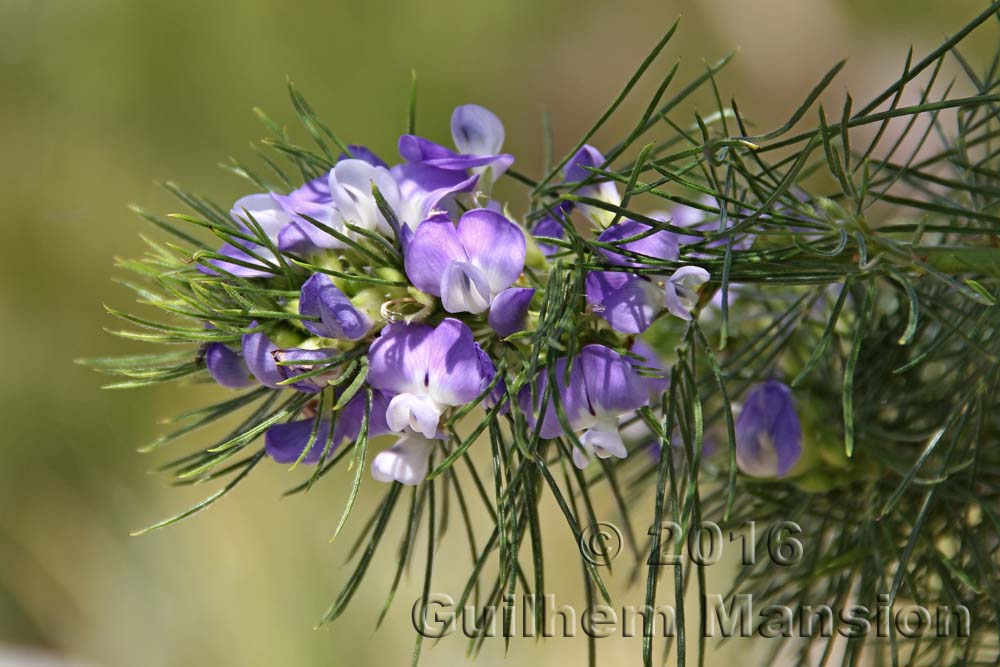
(510,310)
(629,301)
(427,369)
(469,266)
(262,357)
(768,433)
(602,386)
(426,190)
(478,134)
(406,461)
(226,367)
(285,442)
(602,189)
(338,318)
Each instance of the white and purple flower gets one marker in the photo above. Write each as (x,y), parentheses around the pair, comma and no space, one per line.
(478,135)
(468,266)
(426,370)
(603,386)
(630,301)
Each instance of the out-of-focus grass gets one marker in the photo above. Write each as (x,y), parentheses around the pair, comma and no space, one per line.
(100,97)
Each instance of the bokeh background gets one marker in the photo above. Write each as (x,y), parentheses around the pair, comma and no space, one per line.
(99,98)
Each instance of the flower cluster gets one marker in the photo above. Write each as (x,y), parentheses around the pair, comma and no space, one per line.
(434,327)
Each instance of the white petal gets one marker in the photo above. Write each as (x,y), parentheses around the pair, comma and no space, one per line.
(476,130)
(581,457)
(464,289)
(605,440)
(405,462)
(264,210)
(351,189)
(409,411)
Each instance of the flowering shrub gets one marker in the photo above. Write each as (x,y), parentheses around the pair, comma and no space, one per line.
(783,349)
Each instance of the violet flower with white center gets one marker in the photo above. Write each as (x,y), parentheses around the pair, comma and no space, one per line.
(427,369)
(338,318)
(630,301)
(406,461)
(285,442)
(576,171)
(768,433)
(478,134)
(469,266)
(226,367)
(603,385)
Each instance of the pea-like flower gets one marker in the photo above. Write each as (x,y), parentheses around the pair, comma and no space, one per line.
(274,366)
(467,266)
(603,385)
(478,134)
(338,318)
(426,369)
(768,433)
(630,301)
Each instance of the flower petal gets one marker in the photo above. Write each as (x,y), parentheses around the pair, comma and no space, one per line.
(454,375)
(338,316)
(658,245)
(417,149)
(572,396)
(398,359)
(768,432)
(575,170)
(435,244)
(476,130)
(464,289)
(680,292)
(364,154)
(284,442)
(405,462)
(628,302)
(265,211)
(258,354)
(351,190)
(424,190)
(494,244)
(285,359)
(510,310)
(226,367)
(613,386)
(418,413)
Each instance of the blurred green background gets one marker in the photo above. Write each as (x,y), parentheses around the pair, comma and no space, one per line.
(98,98)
